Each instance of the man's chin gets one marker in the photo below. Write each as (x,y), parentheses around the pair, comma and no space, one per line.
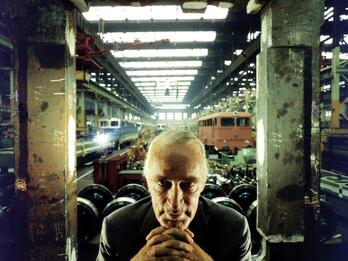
(181,224)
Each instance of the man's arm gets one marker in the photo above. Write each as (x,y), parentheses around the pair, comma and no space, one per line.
(105,253)
(171,244)
(245,242)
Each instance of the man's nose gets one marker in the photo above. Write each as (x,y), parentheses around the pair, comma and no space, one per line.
(175,197)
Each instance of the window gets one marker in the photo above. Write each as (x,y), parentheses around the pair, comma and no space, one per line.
(114,123)
(227,122)
(103,123)
(243,122)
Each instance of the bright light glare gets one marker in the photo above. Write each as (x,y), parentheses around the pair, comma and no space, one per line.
(162,72)
(187,36)
(162,79)
(196,52)
(169,12)
(102,138)
(162,64)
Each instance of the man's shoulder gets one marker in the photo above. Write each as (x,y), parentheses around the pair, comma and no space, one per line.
(131,213)
(220,213)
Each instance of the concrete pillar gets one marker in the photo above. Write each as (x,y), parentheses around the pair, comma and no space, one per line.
(105,109)
(45,126)
(288,121)
(96,113)
(81,113)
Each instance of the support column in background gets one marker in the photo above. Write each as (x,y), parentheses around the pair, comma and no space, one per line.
(288,156)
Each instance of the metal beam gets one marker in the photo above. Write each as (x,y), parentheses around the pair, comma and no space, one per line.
(102,92)
(110,64)
(168,25)
(328,27)
(247,54)
(217,44)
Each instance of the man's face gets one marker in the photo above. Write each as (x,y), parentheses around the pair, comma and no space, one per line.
(176,178)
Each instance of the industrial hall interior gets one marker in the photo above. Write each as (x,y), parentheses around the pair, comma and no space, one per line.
(260,85)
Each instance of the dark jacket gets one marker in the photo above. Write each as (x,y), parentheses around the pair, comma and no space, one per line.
(220,231)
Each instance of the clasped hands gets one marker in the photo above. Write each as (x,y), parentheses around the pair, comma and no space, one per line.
(172,244)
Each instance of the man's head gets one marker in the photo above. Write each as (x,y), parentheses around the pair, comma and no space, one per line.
(176,172)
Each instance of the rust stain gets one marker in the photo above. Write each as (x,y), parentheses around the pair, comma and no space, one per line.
(281,112)
(37,159)
(52,177)
(44,106)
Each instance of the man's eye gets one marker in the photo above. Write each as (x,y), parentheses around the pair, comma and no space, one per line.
(188,186)
(164,184)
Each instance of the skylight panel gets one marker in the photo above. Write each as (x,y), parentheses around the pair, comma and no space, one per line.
(149,84)
(152,90)
(164,98)
(162,72)
(163,79)
(176,36)
(173,106)
(162,64)
(195,52)
(168,12)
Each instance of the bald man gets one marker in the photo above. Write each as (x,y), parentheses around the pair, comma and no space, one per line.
(175,222)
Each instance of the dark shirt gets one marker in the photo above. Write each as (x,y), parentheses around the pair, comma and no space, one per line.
(220,231)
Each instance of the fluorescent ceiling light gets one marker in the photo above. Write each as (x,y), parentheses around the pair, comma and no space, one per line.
(163,79)
(148,84)
(195,52)
(173,106)
(162,64)
(186,36)
(162,72)
(151,91)
(168,98)
(168,12)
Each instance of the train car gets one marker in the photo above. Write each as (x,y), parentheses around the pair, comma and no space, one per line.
(118,130)
(226,130)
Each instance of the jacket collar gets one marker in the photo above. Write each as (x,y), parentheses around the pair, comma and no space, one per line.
(199,225)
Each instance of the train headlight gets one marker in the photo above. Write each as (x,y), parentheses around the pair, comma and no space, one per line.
(102,138)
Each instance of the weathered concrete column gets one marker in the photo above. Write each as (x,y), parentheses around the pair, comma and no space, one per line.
(81,114)
(44,39)
(96,113)
(288,121)
(105,110)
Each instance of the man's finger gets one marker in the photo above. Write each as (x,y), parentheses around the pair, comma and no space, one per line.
(158,239)
(190,232)
(171,247)
(156,231)
(179,234)
(171,258)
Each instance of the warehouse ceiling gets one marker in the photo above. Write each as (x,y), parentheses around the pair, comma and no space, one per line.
(171,55)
